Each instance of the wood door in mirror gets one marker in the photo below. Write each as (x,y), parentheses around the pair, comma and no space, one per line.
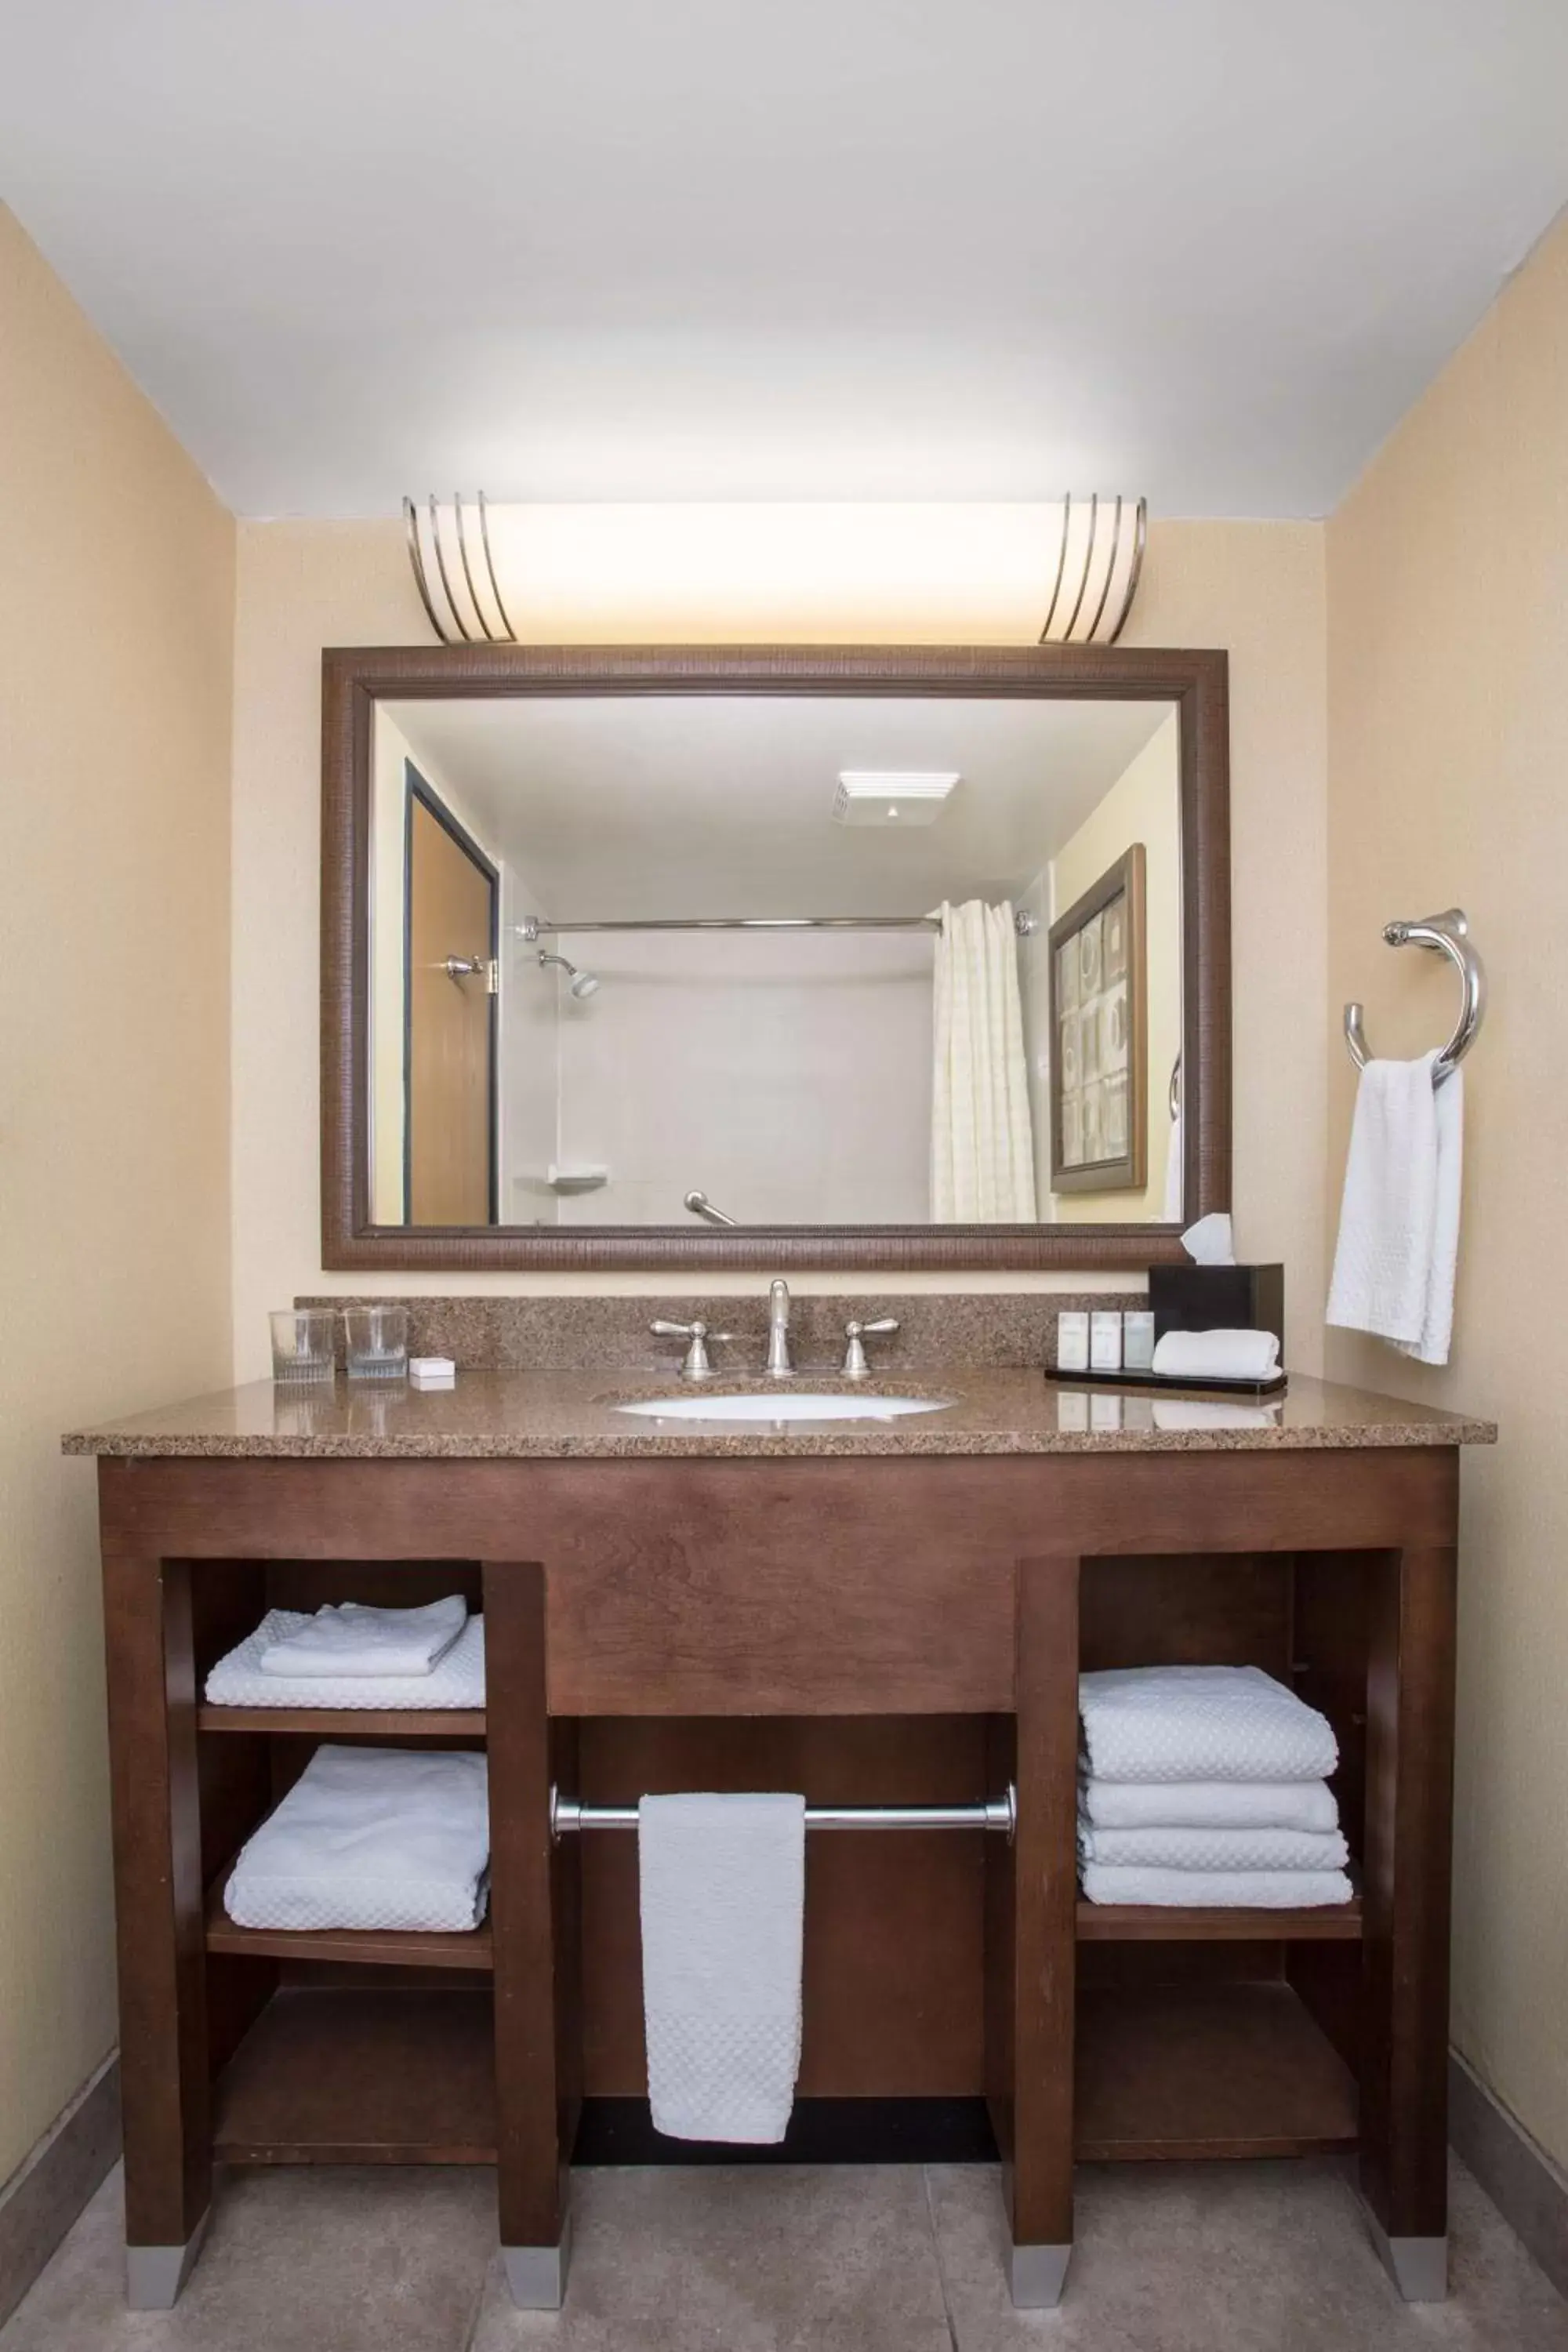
(828,880)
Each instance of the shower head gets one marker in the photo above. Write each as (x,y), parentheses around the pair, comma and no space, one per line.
(582,983)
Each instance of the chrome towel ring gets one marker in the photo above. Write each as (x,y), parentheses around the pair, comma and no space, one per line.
(1450,934)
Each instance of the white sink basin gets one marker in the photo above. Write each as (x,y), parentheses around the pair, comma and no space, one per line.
(793,1405)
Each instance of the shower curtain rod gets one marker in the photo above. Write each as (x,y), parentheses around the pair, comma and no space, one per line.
(534,926)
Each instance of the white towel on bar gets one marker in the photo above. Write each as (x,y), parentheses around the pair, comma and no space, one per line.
(723,1893)
(347,1638)
(1399,1217)
(1224,1890)
(1216,1355)
(1203,1850)
(371,1837)
(1208,1805)
(458,1679)
(1200,1723)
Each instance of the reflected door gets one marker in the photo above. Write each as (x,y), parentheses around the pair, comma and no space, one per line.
(450,1058)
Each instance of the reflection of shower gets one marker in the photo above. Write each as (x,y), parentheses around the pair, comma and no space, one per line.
(583,983)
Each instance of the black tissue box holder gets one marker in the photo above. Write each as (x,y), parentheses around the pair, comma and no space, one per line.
(1218,1298)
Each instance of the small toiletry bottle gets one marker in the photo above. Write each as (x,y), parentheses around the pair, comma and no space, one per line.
(1105,1341)
(1137,1340)
(1072,1342)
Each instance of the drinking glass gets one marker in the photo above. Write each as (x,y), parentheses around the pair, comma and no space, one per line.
(302,1343)
(377,1342)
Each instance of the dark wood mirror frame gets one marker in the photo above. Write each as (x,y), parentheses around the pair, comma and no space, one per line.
(355,680)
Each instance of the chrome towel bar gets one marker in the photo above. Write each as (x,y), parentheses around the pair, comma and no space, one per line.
(1447,934)
(567,1815)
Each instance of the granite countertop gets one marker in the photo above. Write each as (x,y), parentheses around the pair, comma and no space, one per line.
(552,1415)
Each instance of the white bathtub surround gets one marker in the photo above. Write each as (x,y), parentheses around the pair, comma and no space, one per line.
(982,1155)
(347,1639)
(1208,1805)
(1399,1217)
(373,1838)
(238,1679)
(1224,1890)
(1200,1723)
(722,1883)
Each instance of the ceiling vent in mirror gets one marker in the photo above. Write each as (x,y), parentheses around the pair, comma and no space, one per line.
(1062,572)
(869,797)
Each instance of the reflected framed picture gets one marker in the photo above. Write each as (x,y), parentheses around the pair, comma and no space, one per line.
(1099,1092)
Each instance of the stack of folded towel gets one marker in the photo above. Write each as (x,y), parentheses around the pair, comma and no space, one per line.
(374,1838)
(1206,1785)
(347,1655)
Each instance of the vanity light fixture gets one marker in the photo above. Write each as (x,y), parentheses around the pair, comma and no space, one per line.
(1061,572)
(865,797)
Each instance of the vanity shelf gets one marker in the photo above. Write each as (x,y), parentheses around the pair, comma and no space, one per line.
(1144,1923)
(450,1724)
(356,2077)
(1169,2070)
(471,1950)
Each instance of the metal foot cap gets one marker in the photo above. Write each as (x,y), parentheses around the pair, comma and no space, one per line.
(537,2275)
(1036,2275)
(1418,2266)
(154,2274)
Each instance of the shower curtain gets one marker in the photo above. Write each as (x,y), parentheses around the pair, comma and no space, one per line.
(982,1147)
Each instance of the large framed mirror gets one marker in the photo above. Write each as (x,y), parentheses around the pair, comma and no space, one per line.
(693,958)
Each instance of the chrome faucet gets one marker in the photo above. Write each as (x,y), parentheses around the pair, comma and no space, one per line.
(778,1366)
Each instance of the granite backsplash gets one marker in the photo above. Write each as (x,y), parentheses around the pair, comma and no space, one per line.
(1001,1329)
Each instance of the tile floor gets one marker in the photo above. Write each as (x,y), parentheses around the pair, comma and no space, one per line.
(1244,2258)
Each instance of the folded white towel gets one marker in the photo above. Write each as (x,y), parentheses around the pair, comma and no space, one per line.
(1200,1723)
(722,1891)
(1226,1890)
(1399,1216)
(1216,1355)
(1234,1849)
(371,1837)
(347,1638)
(458,1679)
(1208,1805)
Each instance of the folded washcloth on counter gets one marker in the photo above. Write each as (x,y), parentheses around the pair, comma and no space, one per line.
(1228,1890)
(347,1638)
(1200,1723)
(1206,1849)
(238,1679)
(1208,1805)
(722,1894)
(371,1837)
(1216,1355)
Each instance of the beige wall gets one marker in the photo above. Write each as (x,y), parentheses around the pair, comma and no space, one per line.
(1448,744)
(116,636)
(1254,588)
(1144,805)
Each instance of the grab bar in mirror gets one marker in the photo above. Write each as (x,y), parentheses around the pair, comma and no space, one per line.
(701,1206)
(1446,934)
(567,1816)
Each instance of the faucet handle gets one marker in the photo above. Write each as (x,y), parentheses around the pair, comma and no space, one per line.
(855,1367)
(696,1366)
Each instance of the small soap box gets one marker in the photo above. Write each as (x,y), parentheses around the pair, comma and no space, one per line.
(432,1372)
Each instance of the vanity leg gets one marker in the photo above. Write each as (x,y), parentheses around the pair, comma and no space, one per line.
(159,1928)
(534,1911)
(1031,1922)
(1406,1904)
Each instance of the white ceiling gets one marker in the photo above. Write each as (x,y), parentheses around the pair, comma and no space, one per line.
(623,807)
(946,250)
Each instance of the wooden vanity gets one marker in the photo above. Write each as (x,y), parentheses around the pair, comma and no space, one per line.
(873,1615)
